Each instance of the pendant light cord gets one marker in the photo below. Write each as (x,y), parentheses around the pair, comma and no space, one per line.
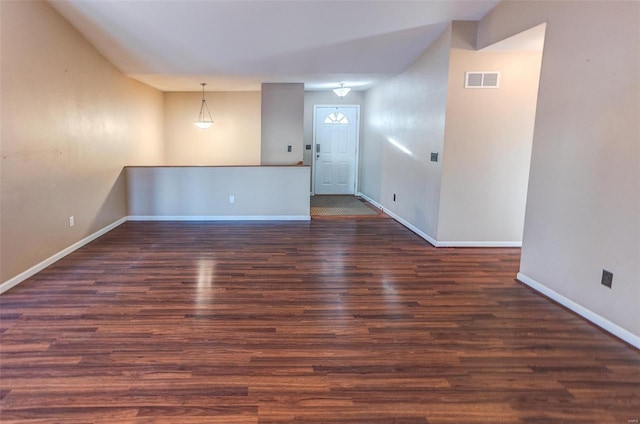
(203,107)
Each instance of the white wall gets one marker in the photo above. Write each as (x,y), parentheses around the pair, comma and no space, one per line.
(234,138)
(70,122)
(487,148)
(408,110)
(260,192)
(282,123)
(583,206)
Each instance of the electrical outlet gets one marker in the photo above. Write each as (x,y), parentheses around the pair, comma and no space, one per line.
(288,148)
(607,278)
(434,156)
(232,198)
(72,221)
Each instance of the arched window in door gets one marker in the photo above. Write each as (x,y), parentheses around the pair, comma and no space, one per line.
(336,118)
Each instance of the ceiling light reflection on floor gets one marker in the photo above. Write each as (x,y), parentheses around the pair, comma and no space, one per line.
(204,291)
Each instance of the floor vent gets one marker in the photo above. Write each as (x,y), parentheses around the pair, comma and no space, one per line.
(482,79)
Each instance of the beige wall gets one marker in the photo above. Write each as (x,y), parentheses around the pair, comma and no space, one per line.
(409,110)
(234,138)
(282,123)
(487,148)
(475,194)
(69,123)
(583,206)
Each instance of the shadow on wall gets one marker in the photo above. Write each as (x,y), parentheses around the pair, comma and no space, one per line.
(114,204)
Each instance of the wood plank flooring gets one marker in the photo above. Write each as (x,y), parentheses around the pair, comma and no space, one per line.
(328,321)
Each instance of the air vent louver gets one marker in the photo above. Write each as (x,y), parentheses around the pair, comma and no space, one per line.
(482,79)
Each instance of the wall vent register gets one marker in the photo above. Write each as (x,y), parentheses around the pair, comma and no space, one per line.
(482,79)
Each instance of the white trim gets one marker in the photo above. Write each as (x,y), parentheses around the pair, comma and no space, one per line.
(412,227)
(219,218)
(589,315)
(12,282)
(479,244)
(370,200)
(435,242)
(400,220)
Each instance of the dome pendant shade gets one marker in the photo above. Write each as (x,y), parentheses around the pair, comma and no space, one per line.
(203,124)
(342,91)
(202,121)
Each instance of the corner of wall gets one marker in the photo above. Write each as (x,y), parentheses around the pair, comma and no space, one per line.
(282,123)
(464,35)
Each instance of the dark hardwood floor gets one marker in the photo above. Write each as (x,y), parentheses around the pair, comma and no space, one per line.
(332,321)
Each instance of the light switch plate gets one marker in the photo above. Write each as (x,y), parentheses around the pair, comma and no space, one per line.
(607,278)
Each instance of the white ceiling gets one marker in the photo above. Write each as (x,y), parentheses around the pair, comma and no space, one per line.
(235,45)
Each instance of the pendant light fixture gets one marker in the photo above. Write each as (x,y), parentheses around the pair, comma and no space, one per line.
(342,91)
(202,121)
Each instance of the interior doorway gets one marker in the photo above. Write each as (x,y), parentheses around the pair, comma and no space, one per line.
(335,149)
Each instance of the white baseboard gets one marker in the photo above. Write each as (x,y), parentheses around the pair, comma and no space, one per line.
(401,220)
(438,243)
(12,282)
(479,244)
(412,227)
(589,315)
(598,320)
(370,200)
(219,218)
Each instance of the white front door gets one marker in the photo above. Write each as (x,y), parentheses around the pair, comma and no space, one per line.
(335,149)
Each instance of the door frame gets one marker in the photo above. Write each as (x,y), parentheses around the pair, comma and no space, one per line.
(356,179)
